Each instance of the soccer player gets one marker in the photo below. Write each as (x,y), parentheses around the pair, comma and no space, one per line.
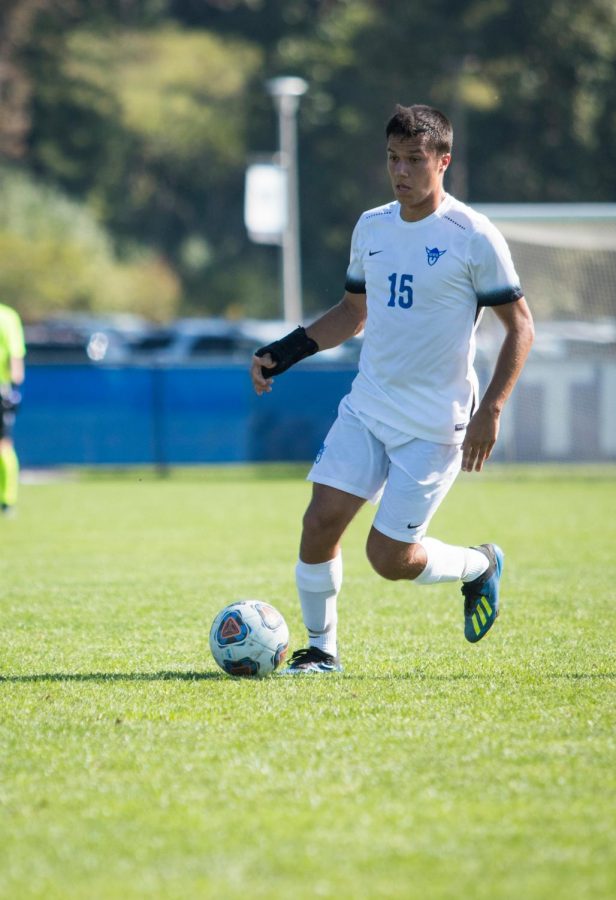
(422,269)
(12,352)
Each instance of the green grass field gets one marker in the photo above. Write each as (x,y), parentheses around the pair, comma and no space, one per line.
(131,767)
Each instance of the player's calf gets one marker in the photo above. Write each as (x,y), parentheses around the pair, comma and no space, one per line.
(394,560)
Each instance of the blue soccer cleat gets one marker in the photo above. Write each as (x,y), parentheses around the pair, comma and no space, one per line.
(481,595)
(311,660)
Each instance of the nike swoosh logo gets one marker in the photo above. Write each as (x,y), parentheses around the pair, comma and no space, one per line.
(414,526)
(374,252)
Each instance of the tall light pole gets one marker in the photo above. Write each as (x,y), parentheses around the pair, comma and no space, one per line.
(286,92)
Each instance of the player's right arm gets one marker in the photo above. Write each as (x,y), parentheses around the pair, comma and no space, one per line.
(341,322)
(17,369)
(337,325)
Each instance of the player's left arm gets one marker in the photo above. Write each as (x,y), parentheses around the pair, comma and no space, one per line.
(482,430)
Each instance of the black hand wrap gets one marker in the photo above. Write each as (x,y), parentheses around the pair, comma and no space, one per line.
(288,351)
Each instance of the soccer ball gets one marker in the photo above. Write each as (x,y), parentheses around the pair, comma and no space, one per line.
(249,639)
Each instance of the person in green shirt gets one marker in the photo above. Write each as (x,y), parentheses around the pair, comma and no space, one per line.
(12,352)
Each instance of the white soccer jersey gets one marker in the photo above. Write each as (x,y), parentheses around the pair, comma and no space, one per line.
(426,283)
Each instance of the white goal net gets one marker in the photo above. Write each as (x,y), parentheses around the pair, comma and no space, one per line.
(564,407)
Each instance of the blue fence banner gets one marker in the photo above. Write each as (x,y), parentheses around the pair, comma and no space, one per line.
(103,415)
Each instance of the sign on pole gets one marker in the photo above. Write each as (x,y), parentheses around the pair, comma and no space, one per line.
(265,203)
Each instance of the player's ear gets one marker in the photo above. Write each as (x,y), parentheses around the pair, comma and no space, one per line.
(445,161)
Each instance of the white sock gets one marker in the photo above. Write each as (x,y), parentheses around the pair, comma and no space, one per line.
(449,563)
(318,585)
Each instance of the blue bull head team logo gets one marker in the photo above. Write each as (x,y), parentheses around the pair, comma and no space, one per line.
(434,255)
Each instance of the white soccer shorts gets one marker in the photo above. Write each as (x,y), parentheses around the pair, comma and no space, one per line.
(410,477)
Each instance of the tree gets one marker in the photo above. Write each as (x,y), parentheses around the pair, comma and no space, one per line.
(144,112)
(16,22)
(56,257)
(529,84)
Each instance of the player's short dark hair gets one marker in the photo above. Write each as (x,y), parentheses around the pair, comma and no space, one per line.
(417,120)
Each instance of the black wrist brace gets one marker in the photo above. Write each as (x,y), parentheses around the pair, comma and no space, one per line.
(288,351)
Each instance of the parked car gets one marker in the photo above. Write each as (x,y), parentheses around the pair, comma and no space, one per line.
(127,340)
(197,340)
(187,341)
(78,339)
(555,339)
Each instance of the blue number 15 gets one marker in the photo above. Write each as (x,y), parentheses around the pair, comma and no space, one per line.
(404,293)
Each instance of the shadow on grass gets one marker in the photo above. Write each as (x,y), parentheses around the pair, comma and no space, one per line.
(483,676)
(113,676)
(106,677)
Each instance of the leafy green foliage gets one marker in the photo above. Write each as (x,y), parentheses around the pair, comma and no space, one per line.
(156,134)
(145,113)
(178,92)
(56,256)
(432,768)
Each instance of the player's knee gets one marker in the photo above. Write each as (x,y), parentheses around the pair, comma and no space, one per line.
(320,520)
